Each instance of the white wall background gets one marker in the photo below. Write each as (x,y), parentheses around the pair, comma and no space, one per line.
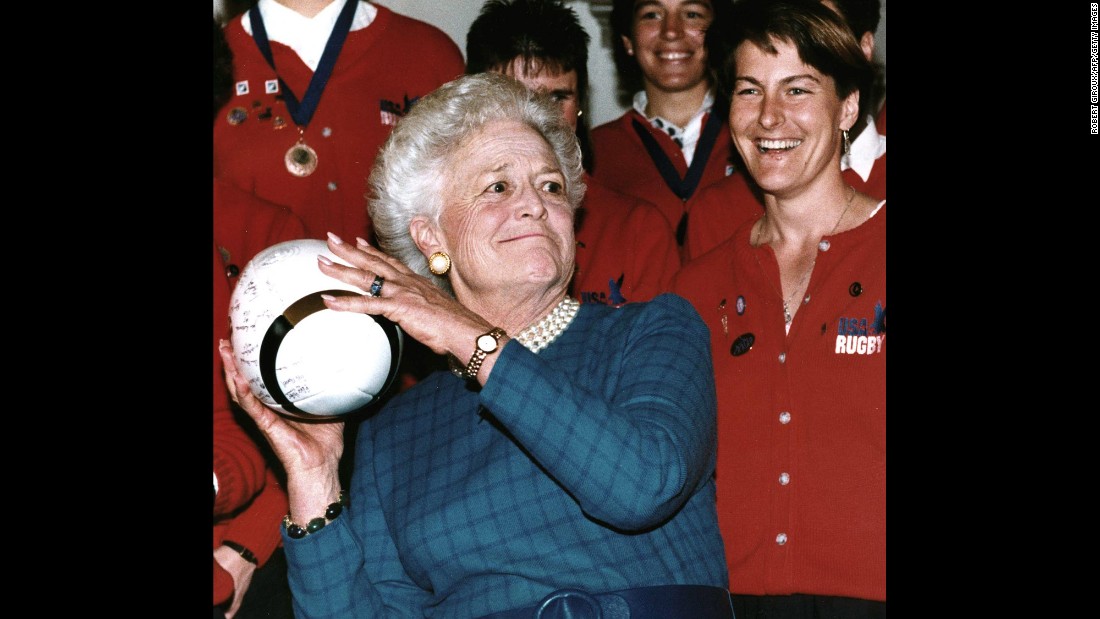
(455,16)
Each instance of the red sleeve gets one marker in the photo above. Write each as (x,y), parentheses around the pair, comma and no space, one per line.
(244,225)
(717,211)
(237,461)
(256,528)
(653,246)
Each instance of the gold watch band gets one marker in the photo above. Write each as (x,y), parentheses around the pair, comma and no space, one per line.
(479,355)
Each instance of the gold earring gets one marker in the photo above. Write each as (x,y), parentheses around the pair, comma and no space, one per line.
(439,263)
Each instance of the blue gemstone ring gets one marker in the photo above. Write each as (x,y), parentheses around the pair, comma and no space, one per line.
(376,287)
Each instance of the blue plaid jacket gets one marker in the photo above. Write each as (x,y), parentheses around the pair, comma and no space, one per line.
(588,465)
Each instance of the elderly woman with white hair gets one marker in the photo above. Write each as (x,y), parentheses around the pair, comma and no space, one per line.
(564,466)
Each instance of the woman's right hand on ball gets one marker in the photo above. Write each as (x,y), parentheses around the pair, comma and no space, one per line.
(309,451)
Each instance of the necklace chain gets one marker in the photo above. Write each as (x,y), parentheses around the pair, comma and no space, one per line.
(541,334)
(847,205)
(787,317)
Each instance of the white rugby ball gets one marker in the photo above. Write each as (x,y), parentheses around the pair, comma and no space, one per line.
(300,357)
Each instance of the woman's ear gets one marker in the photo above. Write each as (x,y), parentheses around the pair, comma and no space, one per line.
(627,45)
(849,110)
(426,236)
(867,44)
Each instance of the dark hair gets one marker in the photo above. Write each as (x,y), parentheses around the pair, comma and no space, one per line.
(545,32)
(821,37)
(233,8)
(223,69)
(861,15)
(629,73)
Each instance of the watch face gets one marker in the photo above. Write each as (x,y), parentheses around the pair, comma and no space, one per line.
(487,343)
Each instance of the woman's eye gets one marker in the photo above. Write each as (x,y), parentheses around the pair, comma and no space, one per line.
(498,187)
(552,187)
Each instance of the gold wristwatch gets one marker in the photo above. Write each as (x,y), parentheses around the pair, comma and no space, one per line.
(485,344)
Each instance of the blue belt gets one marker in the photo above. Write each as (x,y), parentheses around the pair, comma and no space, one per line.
(660,602)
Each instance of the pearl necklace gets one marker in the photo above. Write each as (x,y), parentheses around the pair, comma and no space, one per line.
(787,317)
(540,335)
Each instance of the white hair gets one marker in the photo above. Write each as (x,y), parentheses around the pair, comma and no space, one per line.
(411,168)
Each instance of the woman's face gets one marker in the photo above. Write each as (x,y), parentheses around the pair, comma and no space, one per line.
(668,42)
(506,220)
(537,77)
(785,117)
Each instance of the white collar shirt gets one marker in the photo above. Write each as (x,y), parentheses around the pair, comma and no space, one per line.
(865,149)
(686,137)
(307,35)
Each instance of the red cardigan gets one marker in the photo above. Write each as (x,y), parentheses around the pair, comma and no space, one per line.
(625,248)
(381,72)
(801,475)
(620,161)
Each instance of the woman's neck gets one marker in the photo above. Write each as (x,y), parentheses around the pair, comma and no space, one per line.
(306,8)
(679,107)
(805,218)
(511,310)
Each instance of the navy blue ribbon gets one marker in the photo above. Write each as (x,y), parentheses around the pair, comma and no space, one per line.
(302,112)
(685,187)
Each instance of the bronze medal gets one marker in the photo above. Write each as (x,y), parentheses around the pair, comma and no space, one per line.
(301,160)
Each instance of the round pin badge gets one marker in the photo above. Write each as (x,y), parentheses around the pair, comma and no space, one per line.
(236,115)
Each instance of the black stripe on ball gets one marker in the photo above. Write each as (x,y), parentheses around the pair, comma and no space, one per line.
(295,313)
(393,334)
(269,350)
(273,339)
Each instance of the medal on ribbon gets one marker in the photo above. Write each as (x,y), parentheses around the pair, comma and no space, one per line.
(301,159)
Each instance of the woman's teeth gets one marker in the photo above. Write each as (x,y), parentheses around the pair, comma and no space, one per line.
(769,145)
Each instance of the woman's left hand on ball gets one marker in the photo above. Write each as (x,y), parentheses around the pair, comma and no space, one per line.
(417,305)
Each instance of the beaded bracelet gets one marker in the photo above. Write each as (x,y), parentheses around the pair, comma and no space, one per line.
(334,509)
